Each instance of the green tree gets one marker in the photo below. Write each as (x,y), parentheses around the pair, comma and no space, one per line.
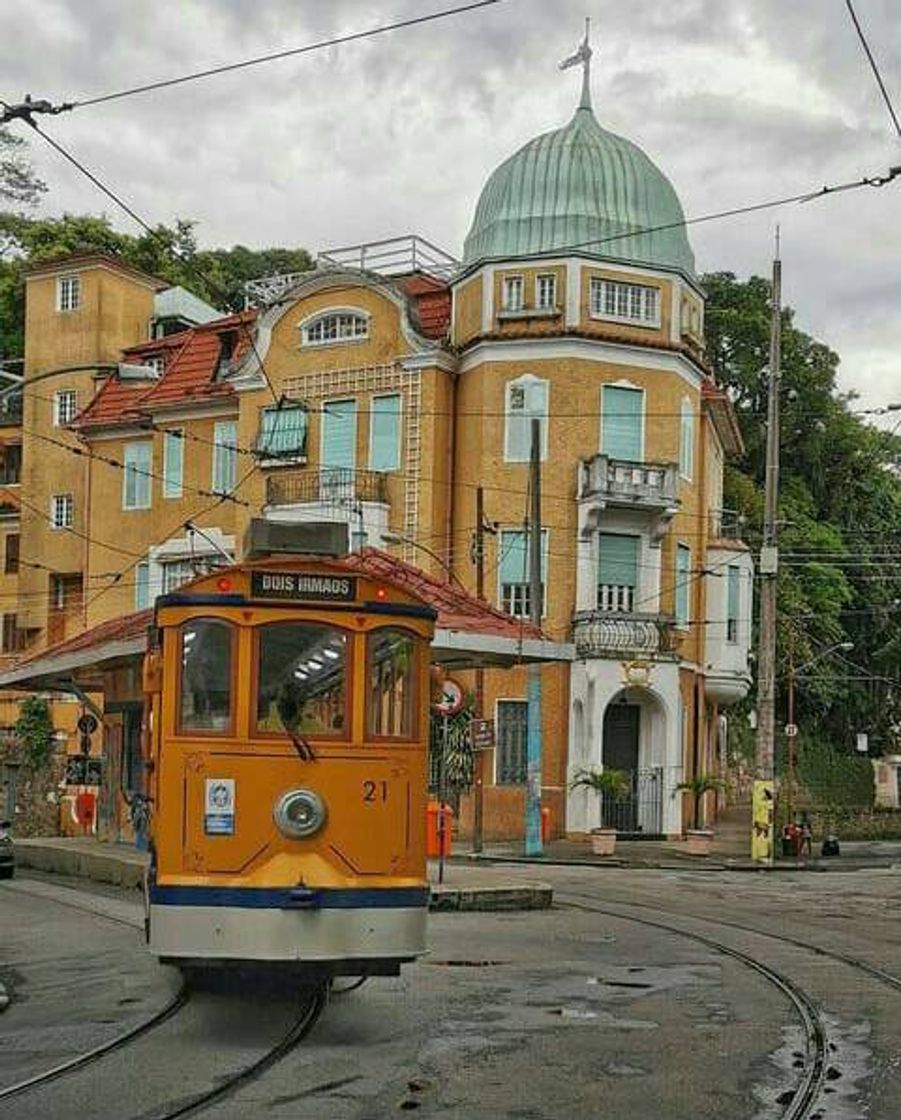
(839,510)
(18,182)
(34,731)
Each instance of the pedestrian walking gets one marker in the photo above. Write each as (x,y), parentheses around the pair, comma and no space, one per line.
(805,846)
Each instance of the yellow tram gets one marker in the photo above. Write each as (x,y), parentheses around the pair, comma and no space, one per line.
(286,746)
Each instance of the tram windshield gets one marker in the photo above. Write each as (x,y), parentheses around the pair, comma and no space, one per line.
(302,679)
(206,675)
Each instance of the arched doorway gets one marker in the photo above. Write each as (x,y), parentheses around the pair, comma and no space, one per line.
(633,741)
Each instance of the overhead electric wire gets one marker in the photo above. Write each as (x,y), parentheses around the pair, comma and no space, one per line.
(874,67)
(274,56)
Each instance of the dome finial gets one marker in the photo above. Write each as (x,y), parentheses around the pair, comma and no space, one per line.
(582,58)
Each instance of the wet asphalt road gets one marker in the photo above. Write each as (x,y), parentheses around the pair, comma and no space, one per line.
(567,1013)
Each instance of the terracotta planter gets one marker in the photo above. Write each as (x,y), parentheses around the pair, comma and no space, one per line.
(603,841)
(698,841)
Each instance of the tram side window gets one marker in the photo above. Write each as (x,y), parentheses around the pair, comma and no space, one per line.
(206,676)
(392,683)
(302,679)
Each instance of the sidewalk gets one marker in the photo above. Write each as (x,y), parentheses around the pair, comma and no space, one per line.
(465,887)
(671,855)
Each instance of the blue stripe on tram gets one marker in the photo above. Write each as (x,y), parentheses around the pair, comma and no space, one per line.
(280,898)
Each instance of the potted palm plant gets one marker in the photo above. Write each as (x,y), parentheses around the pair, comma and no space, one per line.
(610,786)
(697,839)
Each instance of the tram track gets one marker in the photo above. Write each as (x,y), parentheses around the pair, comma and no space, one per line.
(807,1095)
(804,1100)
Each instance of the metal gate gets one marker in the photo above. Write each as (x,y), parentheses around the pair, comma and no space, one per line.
(639,812)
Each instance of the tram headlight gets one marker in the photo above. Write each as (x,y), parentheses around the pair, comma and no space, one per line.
(300,813)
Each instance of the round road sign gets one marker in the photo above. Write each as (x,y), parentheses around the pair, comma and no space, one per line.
(451,699)
(791,730)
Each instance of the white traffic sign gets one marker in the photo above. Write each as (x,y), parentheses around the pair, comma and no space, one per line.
(451,699)
(791,730)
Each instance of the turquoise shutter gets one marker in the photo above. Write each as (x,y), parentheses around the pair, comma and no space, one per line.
(618,560)
(732,594)
(137,476)
(284,431)
(514,557)
(339,434)
(142,586)
(621,423)
(173,464)
(683,584)
(384,446)
(225,455)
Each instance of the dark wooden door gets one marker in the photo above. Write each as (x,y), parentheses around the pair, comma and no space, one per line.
(619,751)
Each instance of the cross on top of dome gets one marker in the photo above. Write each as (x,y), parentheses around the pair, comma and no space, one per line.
(582,58)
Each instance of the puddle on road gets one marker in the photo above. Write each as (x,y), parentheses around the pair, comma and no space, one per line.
(849,1065)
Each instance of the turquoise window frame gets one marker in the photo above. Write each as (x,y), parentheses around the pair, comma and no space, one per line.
(173,462)
(683,586)
(225,456)
(136,478)
(622,423)
(385,426)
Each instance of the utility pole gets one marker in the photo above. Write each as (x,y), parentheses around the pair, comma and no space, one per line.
(763,805)
(533,769)
(478,825)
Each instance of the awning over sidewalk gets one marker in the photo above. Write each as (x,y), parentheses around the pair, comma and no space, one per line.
(469,634)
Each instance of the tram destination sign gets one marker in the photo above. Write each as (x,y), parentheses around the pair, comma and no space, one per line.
(303,587)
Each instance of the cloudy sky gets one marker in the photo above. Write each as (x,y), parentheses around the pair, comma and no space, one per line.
(738,101)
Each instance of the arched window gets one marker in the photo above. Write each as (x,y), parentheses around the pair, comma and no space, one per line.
(339,324)
(687,440)
(527,399)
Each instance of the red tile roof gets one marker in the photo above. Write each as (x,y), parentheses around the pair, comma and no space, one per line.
(431,301)
(189,374)
(457,609)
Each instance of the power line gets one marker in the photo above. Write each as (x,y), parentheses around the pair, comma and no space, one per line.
(28,107)
(874,67)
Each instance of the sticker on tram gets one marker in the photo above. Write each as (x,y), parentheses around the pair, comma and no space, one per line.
(219,809)
(300,586)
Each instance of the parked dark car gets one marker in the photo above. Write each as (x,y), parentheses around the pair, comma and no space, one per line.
(7,852)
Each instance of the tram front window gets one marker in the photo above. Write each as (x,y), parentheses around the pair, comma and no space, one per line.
(302,679)
(206,676)
(392,676)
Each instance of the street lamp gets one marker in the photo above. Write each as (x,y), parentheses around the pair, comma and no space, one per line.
(791,729)
(399,538)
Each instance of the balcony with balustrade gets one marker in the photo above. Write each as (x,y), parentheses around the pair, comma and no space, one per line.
(358,497)
(616,630)
(606,483)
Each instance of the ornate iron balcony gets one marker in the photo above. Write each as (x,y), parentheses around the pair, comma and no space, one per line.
(623,635)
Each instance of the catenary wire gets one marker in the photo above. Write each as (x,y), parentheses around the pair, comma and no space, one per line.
(874,66)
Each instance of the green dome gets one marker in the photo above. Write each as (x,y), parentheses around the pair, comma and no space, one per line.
(579,184)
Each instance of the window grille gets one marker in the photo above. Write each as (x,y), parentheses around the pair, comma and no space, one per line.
(512,742)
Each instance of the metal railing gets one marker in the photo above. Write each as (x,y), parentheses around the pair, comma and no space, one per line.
(640,812)
(326,485)
(608,634)
(394,256)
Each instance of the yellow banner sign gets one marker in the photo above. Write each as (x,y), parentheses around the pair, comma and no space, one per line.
(762,839)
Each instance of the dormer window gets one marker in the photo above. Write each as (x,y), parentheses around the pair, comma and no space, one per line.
(228,340)
(625,303)
(513,293)
(546,291)
(68,293)
(335,326)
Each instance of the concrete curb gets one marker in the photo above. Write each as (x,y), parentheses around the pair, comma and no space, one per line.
(531,896)
(702,863)
(126,869)
(99,866)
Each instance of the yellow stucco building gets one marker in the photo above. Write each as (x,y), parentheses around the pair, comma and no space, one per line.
(388,387)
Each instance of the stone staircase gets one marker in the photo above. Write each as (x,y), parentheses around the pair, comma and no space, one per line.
(732,832)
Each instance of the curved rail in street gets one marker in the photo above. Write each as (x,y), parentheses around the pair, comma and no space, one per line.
(807,1094)
(89,1056)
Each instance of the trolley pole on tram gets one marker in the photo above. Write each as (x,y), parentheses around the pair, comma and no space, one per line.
(533,845)
(763,797)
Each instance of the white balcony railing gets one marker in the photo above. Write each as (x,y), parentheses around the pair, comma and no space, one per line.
(617,482)
(615,597)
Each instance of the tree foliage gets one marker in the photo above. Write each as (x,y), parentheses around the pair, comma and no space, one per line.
(839,512)
(18,183)
(34,731)
(171,253)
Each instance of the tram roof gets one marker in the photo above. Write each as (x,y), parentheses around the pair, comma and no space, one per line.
(469,634)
